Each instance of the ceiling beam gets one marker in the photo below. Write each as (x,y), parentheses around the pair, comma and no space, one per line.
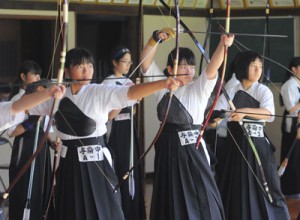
(127,10)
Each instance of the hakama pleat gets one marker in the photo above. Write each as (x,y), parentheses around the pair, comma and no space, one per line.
(184,188)
(240,183)
(133,206)
(290,180)
(22,151)
(92,183)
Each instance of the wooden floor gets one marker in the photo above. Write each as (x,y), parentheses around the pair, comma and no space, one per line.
(293,204)
(294,207)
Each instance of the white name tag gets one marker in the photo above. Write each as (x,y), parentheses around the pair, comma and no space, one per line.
(123,116)
(90,153)
(254,130)
(188,137)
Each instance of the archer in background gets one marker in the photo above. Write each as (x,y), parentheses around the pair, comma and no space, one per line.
(290,94)
(29,72)
(183,185)
(238,173)
(13,112)
(123,139)
(32,190)
(216,136)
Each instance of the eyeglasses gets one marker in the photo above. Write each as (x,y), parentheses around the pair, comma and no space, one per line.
(126,62)
(185,66)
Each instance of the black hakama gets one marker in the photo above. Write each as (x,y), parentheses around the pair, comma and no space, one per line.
(22,150)
(290,180)
(119,140)
(239,178)
(184,186)
(84,189)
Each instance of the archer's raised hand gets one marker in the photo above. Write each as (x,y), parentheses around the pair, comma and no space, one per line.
(166,34)
(162,35)
(227,39)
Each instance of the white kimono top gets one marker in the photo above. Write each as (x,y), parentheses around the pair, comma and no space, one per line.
(95,101)
(290,94)
(7,119)
(258,91)
(193,97)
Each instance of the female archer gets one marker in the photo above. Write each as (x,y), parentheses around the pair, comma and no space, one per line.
(290,93)
(183,185)
(85,176)
(239,178)
(123,139)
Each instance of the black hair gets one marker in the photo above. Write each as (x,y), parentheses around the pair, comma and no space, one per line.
(28,66)
(78,56)
(184,54)
(294,62)
(242,64)
(118,52)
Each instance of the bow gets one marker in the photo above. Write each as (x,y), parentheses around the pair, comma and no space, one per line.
(190,33)
(131,181)
(284,163)
(175,70)
(211,11)
(26,213)
(60,74)
(220,81)
(266,49)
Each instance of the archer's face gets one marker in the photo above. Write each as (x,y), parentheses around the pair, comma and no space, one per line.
(296,70)
(123,65)
(185,72)
(255,70)
(83,73)
(30,77)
